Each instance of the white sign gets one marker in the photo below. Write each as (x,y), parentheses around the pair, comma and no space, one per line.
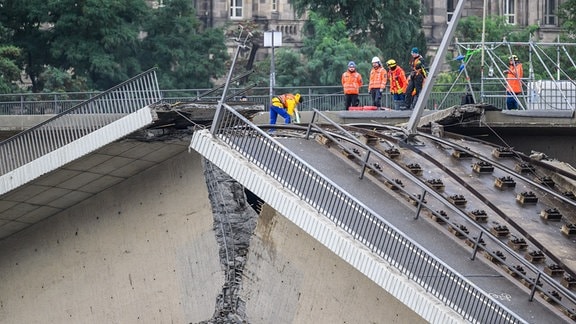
(273,39)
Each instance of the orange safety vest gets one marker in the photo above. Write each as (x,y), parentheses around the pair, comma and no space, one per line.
(378,78)
(351,81)
(397,80)
(414,61)
(285,97)
(287,101)
(514,75)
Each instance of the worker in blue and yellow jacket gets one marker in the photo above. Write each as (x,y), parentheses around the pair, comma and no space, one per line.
(284,105)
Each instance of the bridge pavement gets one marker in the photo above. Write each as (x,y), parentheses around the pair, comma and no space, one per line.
(426,233)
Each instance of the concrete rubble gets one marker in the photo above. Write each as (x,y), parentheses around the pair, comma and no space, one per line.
(234,224)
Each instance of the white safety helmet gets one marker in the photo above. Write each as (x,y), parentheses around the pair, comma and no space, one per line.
(375,59)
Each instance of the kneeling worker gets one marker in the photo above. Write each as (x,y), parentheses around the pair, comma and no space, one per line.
(285,106)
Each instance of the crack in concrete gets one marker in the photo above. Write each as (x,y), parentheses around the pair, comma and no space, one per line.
(234,224)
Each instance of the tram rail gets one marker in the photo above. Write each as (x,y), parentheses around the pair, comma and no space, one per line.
(366,145)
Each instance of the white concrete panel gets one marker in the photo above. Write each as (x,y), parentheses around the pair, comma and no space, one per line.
(38,214)
(5,204)
(131,169)
(69,199)
(25,193)
(100,184)
(47,196)
(88,162)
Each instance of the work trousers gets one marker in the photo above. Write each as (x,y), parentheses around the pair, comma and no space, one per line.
(275,111)
(511,102)
(351,100)
(376,96)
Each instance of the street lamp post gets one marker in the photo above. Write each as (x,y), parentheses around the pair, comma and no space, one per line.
(272,39)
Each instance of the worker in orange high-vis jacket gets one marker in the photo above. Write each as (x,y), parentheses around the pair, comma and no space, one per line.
(285,106)
(398,84)
(351,82)
(514,76)
(377,84)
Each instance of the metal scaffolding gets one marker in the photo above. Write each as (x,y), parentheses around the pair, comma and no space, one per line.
(553,87)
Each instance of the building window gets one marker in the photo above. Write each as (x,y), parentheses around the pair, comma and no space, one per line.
(449,10)
(550,10)
(274,5)
(235,8)
(509,12)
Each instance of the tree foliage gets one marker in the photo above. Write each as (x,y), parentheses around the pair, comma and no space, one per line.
(58,80)
(9,69)
(185,56)
(100,43)
(23,22)
(393,26)
(96,38)
(567,12)
(324,56)
(469,29)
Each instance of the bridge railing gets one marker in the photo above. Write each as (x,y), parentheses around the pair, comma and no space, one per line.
(323,98)
(358,220)
(79,120)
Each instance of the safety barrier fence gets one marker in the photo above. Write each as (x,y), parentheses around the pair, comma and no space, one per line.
(537,96)
(358,220)
(79,120)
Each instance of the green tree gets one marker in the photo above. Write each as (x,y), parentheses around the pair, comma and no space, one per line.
(325,54)
(57,80)
(469,29)
(290,70)
(9,69)
(186,56)
(567,12)
(394,26)
(328,49)
(96,39)
(24,29)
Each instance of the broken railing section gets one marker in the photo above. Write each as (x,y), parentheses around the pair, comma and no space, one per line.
(80,120)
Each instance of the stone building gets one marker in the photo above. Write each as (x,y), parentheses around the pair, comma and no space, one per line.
(437,13)
(279,15)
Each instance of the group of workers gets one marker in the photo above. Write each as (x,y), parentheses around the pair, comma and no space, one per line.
(285,105)
(404,89)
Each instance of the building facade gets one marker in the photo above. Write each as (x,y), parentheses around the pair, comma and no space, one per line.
(522,13)
(278,15)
